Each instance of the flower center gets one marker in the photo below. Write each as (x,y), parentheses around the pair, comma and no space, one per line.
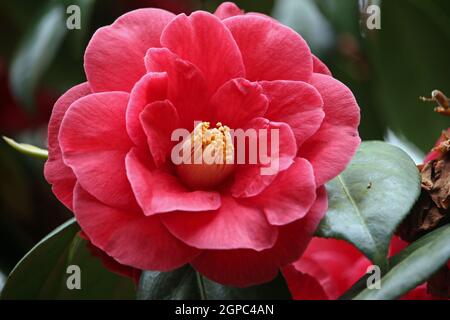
(211,158)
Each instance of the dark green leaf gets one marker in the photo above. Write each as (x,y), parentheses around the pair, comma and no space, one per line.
(42,273)
(370,198)
(185,284)
(410,268)
(36,52)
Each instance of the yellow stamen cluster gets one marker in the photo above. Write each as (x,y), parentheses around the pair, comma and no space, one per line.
(216,144)
(212,157)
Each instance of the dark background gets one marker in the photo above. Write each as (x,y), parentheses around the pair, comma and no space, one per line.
(387,69)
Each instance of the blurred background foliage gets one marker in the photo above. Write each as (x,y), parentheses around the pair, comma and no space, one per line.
(387,69)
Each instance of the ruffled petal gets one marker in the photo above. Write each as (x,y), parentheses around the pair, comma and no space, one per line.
(187,88)
(232,226)
(313,283)
(335,265)
(290,196)
(129,237)
(157,191)
(296,103)
(203,40)
(241,268)
(159,119)
(228,10)
(94,143)
(151,88)
(333,146)
(57,173)
(295,237)
(114,58)
(270,51)
(251,179)
(236,268)
(237,102)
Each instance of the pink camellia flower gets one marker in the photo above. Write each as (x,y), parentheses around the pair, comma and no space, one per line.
(330,267)
(151,73)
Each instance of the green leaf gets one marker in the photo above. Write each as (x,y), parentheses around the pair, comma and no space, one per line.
(187,284)
(36,52)
(27,149)
(409,269)
(370,198)
(42,273)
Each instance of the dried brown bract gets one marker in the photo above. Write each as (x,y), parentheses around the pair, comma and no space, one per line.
(432,209)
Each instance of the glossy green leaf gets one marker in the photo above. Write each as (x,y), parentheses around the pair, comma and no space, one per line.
(42,273)
(27,149)
(409,269)
(36,52)
(370,198)
(186,284)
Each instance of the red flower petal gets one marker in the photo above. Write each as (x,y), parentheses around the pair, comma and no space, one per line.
(295,237)
(237,102)
(152,87)
(333,146)
(157,191)
(129,237)
(232,226)
(187,88)
(419,293)
(236,268)
(227,10)
(249,181)
(159,119)
(311,284)
(297,104)
(56,172)
(203,40)
(94,143)
(335,264)
(270,50)
(241,268)
(290,196)
(329,268)
(114,58)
